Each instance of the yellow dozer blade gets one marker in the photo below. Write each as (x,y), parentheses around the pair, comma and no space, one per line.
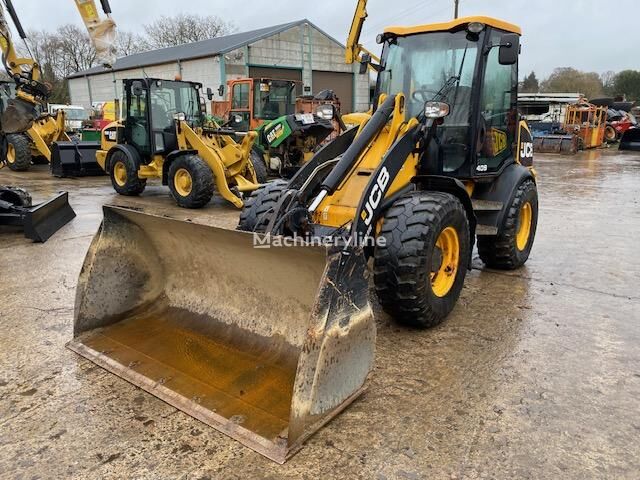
(265,345)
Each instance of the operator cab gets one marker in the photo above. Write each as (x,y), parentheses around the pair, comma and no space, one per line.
(471,65)
(260,100)
(152,108)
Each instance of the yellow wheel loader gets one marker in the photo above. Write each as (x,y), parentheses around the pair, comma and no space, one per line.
(164,135)
(34,136)
(442,161)
(267,337)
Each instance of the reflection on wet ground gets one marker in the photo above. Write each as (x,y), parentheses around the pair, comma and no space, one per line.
(536,374)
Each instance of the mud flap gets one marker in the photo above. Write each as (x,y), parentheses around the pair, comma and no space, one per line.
(75,159)
(263,344)
(631,140)
(41,221)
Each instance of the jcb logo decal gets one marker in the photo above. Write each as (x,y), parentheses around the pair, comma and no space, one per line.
(526,150)
(499,141)
(376,196)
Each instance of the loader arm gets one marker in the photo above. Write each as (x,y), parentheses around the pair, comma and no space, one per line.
(228,160)
(354,50)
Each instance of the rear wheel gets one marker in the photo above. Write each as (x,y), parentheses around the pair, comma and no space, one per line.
(510,249)
(18,152)
(191,181)
(255,213)
(124,175)
(420,268)
(259,166)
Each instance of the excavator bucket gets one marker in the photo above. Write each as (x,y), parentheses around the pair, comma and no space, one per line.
(18,116)
(563,144)
(264,344)
(631,140)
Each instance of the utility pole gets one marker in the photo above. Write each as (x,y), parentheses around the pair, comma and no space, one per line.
(457,5)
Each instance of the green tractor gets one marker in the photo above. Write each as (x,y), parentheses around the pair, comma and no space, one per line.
(289,128)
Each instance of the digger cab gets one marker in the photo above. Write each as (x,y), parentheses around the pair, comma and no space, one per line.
(472,66)
(151,108)
(259,100)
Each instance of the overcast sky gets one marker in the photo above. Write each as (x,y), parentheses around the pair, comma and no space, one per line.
(586,34)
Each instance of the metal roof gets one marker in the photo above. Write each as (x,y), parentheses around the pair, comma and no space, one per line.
(190,51)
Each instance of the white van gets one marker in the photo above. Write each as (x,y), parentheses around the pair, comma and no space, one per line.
(75,116)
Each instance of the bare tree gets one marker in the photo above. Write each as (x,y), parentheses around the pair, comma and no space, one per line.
(185,28)
(128,43)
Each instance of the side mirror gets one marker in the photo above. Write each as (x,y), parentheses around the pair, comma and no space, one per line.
(209,94)
(509,49)
(221,90)
(365,60)
(136,88)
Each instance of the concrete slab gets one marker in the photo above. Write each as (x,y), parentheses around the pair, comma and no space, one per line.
(536,374)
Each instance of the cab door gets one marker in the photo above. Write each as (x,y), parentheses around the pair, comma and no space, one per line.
(137,130)
(241,102)
(498,119)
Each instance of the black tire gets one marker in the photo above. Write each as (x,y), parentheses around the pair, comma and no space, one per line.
(123,172)
(253,217)
(502,251)
(403,266)
(21,157)
(202,184)
(259,166)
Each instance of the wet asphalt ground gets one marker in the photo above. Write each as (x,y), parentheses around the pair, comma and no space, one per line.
(536,374)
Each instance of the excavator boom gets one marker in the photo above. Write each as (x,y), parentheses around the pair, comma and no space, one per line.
(354,50)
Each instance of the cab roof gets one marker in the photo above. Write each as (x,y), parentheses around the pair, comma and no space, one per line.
(453,24)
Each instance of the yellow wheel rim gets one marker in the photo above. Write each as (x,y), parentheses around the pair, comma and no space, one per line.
(443,279)
(183,182)
(11,154)
(524,226)
(120,173)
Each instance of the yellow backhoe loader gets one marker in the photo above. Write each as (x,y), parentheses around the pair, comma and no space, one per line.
(164,135)
(31,132)
(266,337)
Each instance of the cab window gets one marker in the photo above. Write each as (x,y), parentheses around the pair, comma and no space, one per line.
(240,98)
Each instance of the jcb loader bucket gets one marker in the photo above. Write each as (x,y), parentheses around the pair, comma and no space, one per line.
(563,144)
(265,345)
(630,140)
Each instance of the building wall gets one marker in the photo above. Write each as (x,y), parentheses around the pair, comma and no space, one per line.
(303,47)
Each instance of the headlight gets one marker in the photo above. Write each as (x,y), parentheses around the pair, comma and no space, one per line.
(436,109)
(325,112)
(181,117)
(475,27)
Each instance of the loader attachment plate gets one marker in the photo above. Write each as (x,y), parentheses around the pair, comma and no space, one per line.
(265,345)
(41,221)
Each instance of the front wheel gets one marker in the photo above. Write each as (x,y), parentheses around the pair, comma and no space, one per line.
(191,181)
(259,166)
(124,175)
(18,152)
(421,259)
(511,248)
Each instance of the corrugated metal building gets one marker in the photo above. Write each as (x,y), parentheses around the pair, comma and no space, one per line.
(298,51)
